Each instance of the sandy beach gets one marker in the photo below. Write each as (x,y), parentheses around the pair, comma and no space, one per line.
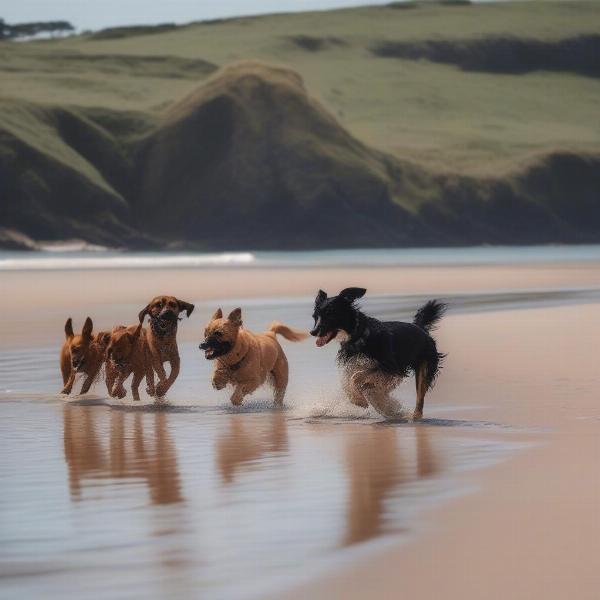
(495,494)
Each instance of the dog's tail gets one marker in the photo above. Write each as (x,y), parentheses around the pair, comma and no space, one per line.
(293,335)
(429,314)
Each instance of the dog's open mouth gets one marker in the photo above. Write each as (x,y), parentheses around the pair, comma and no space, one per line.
(164,324)
(214,349)
(325,339)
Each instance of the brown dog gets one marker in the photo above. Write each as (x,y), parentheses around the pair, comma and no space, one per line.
(127,353)
(164,315)
(82,354)
(245,359)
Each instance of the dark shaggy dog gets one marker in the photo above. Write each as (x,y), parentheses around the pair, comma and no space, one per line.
(377,355)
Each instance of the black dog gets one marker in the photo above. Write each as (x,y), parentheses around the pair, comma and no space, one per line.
(376,354)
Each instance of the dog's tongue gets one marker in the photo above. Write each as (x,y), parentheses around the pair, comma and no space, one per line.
(323,339)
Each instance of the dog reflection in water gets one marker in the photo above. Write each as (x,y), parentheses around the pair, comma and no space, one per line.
(378,470)
(248,440)
(139,447)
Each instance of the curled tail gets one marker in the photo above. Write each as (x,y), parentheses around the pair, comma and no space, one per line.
(429,314)
(293,335)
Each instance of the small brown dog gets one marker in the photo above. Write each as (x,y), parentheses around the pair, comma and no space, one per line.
(162,337)
(82,354)
(127,353)
(245,359)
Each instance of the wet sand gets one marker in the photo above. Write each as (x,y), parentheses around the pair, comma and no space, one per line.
(495,494)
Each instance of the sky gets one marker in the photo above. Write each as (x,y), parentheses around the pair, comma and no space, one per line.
(97,14)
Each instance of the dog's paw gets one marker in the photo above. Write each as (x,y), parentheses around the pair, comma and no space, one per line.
(65,391)
(161,389)
(417,415)
(151,391)
(236,401)
(219,384)
(120,393)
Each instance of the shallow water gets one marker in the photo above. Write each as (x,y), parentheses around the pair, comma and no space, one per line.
(193,496)
(74,256)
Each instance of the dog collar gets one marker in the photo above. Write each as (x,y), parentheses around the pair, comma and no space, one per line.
(237,365)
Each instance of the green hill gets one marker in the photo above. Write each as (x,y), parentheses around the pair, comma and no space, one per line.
(400,125)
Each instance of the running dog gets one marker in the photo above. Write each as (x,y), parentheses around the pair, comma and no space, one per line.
(82,354)
(245,359)
(162,338)
(128,352)
(377,355)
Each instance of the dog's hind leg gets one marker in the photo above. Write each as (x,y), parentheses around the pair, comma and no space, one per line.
(135,384)
(422,387)
(149,372)
(110,375)
(242,390)
(280,374)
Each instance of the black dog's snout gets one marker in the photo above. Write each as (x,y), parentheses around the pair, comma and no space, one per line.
(314,332)
(167,314)
(204,345)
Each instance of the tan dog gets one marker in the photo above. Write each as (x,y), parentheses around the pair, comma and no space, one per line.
(245,359)
(162,337)
(82,354)
(128,353)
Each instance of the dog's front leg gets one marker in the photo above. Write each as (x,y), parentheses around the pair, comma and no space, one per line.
(376,390)
(69,385)
(163,387)
(119,390)
(87,384)
(242,390)
(220,378)
(353,391)
(158,367)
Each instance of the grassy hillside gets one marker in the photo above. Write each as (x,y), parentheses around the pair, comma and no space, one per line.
(437,123)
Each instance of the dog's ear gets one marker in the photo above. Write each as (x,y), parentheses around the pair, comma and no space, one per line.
(235,316)
(218,315)
(136,333)
(69,329)
(86,332)
(321,297)
(143,313)
(185,306)
(352,294)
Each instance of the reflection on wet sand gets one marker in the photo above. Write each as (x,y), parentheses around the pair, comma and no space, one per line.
(139,447)
(376,470)
(248,440)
